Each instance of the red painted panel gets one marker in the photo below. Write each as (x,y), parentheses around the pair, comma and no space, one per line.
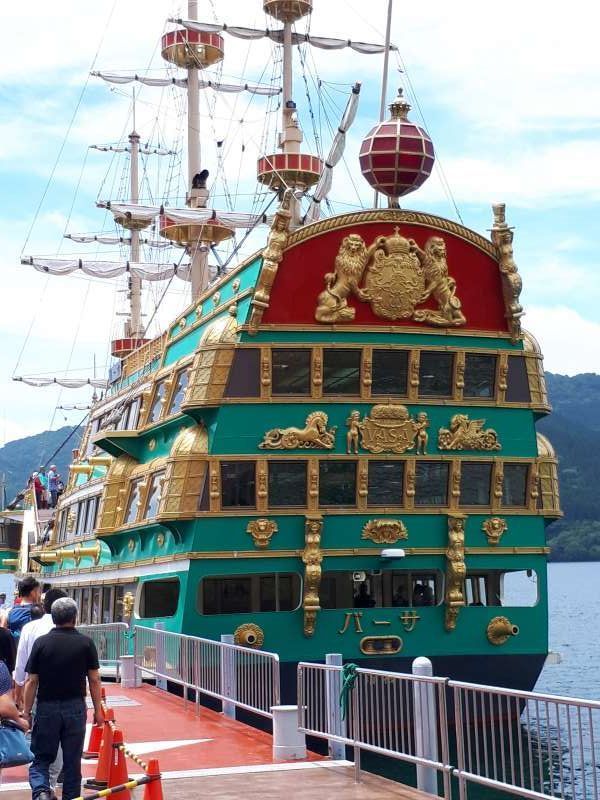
(301,276)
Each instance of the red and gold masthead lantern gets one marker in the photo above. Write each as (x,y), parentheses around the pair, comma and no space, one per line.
(396,156)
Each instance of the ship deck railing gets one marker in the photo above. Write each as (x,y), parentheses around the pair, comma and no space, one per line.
(112,643)
(527,744)
(239,677)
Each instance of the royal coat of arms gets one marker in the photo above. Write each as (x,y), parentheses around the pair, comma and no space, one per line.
(396,276)
(388,429)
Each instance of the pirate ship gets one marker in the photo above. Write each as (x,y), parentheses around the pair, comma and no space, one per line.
(333,448)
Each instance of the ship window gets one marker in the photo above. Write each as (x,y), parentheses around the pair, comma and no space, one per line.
(482,589)
(107,604)
(238,484)
(96,600)
(337,483)
(242,594)
(480,375)
(519,588)
(431,483)
(133,414)
(435,374)
(84,606)
(287,483)
(133,502)
(91,513)
(80,526)
(380,589)
(390,370)
(153,499)
(157,401)
(517,383)
(475,483)
(244,375)
(514,488)
(386,482)
(341,371)
(181,381)
(159,598)
(290,371)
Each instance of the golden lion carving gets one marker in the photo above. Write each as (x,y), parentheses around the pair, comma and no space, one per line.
(314,435)
(350,263)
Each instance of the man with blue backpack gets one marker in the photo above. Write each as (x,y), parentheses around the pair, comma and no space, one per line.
(30,593)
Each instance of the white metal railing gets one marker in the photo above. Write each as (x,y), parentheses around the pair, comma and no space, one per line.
(385,714)
(238,676)
(110,640)
(528,744)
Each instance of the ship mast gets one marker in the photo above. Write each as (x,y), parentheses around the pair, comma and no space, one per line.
(133,328)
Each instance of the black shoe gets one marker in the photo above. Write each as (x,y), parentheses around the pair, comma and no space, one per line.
(45,794)
(59,780)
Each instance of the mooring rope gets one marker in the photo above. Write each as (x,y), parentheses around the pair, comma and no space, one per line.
(349,675)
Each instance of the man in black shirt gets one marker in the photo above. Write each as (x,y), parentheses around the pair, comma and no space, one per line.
(58,666)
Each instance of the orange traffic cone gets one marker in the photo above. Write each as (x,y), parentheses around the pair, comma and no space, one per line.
(153,790)
(93,748)
(102,776)
(118,767)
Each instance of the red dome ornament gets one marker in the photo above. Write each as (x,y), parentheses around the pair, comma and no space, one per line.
(396,156)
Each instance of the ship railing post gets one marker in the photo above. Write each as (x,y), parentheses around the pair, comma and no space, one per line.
(161,660)
(333,687)
(425,725)
(228,682)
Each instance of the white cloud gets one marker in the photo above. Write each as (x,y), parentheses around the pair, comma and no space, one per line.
(569,342)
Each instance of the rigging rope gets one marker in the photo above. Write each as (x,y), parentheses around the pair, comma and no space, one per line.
(349,675)
(60,447)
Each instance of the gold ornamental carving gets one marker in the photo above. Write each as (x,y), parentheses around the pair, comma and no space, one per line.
(249,635)
(467,434)
(314,436)
(396,276)
(500,629)
(493,528)
(261,531)
(272,255)
(387,429)
(312,558)
(384,531)
(502,237)
(128,603)
(456,570)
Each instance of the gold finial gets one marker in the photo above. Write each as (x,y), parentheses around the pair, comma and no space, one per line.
(400,107)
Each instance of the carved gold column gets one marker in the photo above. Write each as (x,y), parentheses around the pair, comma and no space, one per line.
(409,482)
(456,570)
(502,237)
(265,373)
(459,375)
(502,379)
(313,484)
(413,375)
(366,373)
(363,484)
(455,484)
(498,485)
(317,373)
(261,485)
(215,486)
(312,558)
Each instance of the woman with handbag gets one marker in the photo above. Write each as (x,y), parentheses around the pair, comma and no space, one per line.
(14,749)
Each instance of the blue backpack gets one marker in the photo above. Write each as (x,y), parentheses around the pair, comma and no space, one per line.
(17,617)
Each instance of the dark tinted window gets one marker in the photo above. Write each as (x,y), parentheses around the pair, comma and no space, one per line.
(390,368)
(290,371)
(287,483)
(250,593)
(238,484)
(431,483)
(159,598)
(435,374)
(337,483)
(157,401)
(244,375)
(480,375)
(517,390)
(475,483)
(386,481)
(514,491)
(341,371)
(181,381)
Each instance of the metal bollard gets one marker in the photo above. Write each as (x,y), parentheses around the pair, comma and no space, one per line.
(288,742)
(128,672)
(161,658)
(425,722)
(228,682)
(335,724)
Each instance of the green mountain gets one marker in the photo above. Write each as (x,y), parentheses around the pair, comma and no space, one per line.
(20,458)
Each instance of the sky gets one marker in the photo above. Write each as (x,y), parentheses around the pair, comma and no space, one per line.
(510,94)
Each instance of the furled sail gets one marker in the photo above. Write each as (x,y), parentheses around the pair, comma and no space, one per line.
(198,216)
(68,383)
(147,271)
(87,238)
(276,35)
(217,86)
(335,153)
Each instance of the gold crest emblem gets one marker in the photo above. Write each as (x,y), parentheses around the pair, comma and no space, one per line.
(388,429)
(397,276)
(384,531)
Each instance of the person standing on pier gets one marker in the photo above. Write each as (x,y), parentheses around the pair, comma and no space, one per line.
(59,664)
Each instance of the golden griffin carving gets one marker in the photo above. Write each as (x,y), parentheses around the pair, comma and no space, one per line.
(249,635)
(312,558)
(502,237)
(314,436)
(384,531)
(500,629)
(397,275)
(387,429)
(456,570)
(493,528)
(261,531)
(467,434)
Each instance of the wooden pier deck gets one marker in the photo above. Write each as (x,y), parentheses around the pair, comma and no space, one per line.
(211,755)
